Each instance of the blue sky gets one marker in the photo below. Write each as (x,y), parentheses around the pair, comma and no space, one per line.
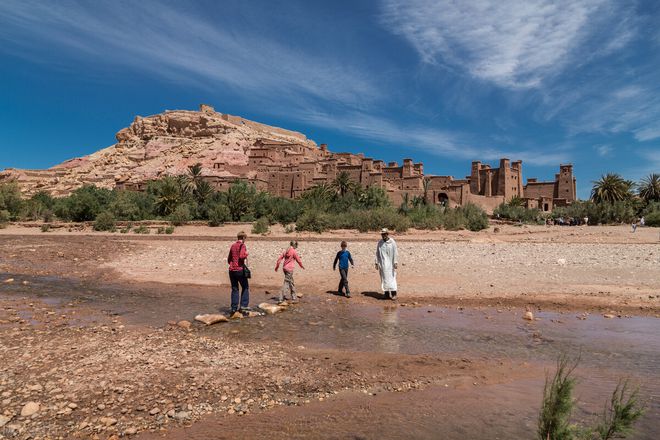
(443,82)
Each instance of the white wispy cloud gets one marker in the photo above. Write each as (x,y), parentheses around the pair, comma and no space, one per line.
(436,141)
(180,45)
(513,43)
(603,150)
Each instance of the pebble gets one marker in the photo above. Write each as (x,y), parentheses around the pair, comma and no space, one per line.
(154,411)
(30,408)
(528,316)
(108,421)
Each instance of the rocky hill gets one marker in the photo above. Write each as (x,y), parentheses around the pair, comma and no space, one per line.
(159,145)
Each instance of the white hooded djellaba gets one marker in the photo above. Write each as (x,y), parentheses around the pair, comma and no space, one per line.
(386,258)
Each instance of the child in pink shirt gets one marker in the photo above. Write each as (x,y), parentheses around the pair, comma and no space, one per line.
(290,257)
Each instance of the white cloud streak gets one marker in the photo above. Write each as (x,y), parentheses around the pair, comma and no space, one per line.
(179,45)
(513,43)
(437,142)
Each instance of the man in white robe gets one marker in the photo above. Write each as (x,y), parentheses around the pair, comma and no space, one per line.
(386,264)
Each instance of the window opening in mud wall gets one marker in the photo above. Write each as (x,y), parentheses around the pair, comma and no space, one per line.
(443,199)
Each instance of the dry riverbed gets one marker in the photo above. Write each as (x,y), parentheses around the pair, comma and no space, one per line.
(91,346)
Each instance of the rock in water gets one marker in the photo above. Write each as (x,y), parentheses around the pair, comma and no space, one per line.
(608,316)
(30,408)
(529,316)
(211,318)
(9,280)
(269,308)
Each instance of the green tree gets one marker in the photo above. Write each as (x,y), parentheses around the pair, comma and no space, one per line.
(649,188)
(168,193)
(10,199)
(611,188)
(318,196)
(84,204)
(343,184)
(373,197)
(240,199)
(404,207)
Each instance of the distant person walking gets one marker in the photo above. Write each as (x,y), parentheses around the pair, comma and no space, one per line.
(290,257)
(343,257)
(387,263)
(634,225)
(239,274)
(641,222)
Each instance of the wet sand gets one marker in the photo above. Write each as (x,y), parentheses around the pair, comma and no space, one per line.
(95,325)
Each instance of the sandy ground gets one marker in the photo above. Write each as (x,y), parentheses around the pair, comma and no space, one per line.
(608,268)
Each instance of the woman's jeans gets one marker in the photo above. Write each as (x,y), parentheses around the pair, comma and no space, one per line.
(237,277)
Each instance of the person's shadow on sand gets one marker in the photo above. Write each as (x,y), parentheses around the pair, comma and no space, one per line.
(375,295)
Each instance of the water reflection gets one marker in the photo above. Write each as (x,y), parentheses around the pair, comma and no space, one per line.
(388,338)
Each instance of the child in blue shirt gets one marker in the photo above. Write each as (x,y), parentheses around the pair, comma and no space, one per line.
(343,257)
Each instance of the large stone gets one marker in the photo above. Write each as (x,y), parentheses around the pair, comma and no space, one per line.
(269,308)
(4,420)
(211,318)
(30,408)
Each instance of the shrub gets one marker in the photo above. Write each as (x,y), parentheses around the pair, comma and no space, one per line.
(126,229)
(652,219)
(4,218)
(181,215)
(517,213)
(557,406)
(165,230)
(314,221)
(475,217)
(132,205)
(218,214)
(284,211)
(453,219)
(426,217)
(373,220)
(45,227)
(84,204)
(105,221)
(261,226)
(289,229)
(142,229)
(10,200)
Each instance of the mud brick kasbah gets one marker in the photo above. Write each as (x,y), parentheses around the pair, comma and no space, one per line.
(282,162)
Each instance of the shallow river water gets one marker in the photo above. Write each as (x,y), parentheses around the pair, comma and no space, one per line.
(610,349)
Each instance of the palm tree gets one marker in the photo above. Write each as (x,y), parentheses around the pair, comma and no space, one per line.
(611,188)
(343,183)
(649,188)
(318,195)
(426,184)
(168,195)
(203,191)
(404,208)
